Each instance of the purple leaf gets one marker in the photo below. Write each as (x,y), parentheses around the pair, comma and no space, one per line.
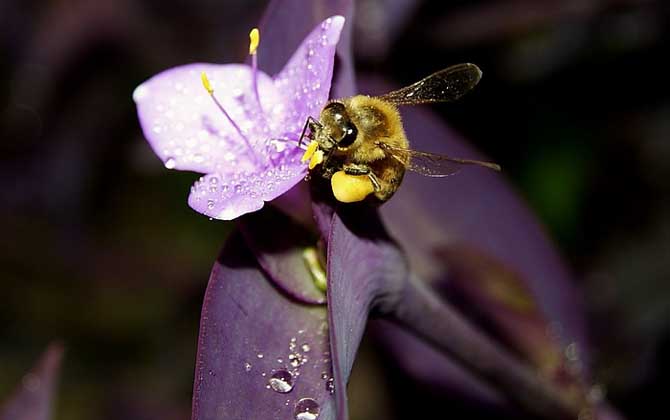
(33,399)
(282,257)
(257,343)
(366,272)
(428,366)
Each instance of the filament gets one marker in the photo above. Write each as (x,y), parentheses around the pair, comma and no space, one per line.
(254,40)
(208,87)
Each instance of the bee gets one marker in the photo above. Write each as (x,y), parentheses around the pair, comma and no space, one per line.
(359,143)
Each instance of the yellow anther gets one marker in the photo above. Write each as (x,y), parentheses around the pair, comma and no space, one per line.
(351,188)
(317,158)
(309,152)
(205,83)
(254,40)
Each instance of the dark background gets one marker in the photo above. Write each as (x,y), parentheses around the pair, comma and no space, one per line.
(100,249)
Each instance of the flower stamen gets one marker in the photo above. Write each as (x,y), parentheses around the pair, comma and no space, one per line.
(208,87)
(254,40)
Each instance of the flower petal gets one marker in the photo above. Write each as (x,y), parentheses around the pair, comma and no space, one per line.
(250,331)
(33,399)
(305,80)
(228,198)
(187,130)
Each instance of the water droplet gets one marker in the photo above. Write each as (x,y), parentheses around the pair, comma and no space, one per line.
(306,409)
(210,204)
(31,382)
(572,352)
(306,348)
(281,381)
(259,355)
(330,385)
(247,366)
(170,163)
(297,359)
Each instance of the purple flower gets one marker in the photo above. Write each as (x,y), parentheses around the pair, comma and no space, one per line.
(245,137)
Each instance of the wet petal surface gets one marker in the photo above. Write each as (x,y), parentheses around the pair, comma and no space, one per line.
(227,198)
(187,130)
(305,80)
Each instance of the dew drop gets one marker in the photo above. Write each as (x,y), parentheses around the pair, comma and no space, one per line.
(31,382)
(259,355)
(170,163)
(281,381)
(247,366)
(306,348)
(306,409)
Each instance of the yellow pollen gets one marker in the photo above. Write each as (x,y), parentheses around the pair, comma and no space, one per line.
(205,83)
(309,152)
(254,40)
(316,159)
(351,188)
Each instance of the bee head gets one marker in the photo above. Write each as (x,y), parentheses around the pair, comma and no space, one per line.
(338,125)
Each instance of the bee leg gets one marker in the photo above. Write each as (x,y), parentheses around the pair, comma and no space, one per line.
(354,169)
(375,181)
(312,124)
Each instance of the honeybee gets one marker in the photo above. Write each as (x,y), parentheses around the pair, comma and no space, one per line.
(359,143)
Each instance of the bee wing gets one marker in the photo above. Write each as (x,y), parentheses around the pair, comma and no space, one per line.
(444,86)
(431,164)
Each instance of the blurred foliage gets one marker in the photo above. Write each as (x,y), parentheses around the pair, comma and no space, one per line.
(101,250)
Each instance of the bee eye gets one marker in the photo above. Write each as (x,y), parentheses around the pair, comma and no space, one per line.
(350,133)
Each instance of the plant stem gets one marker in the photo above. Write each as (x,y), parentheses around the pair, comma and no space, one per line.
(425,314)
